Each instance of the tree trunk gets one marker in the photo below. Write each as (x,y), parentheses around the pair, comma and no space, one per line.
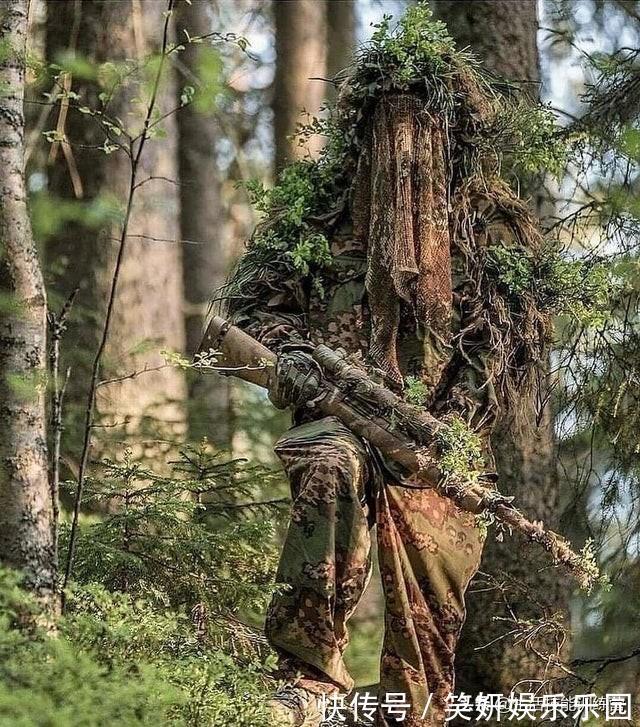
(301,55)
(341,34)
(503,34)
(205,259)
(26,535)
(148,313)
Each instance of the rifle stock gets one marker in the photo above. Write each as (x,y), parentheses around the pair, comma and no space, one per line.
(243,356)
(247,359)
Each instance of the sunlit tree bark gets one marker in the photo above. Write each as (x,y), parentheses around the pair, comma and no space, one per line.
(26,537)
(301,55)
(204,258)
(148,311)
(341,34)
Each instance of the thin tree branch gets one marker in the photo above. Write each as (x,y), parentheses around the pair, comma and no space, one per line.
(57,327)
(133,375)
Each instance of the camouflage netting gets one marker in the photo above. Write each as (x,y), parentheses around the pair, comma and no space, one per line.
(415,147)
(400,206)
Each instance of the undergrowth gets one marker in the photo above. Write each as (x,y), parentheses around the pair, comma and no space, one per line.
(154,630)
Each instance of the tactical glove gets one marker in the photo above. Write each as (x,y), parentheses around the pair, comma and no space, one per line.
(297,380)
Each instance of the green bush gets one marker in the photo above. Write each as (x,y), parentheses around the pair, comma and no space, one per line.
(119,660)
(151,633)
(190,532)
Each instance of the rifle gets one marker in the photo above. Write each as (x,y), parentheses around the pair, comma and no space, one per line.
(401,431)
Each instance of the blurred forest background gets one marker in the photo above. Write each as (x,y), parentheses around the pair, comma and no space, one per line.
(144,122)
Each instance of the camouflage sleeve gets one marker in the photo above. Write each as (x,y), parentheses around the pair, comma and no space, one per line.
(269,306)
(473,394)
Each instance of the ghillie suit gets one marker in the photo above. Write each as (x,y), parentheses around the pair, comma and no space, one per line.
(385,247)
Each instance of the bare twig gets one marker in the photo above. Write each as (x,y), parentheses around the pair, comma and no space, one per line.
(57,327)
(132,374)
(154,177)
(604,662)
(35,134)
(151,238)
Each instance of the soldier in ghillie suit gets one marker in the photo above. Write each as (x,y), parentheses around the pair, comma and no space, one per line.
(389,247)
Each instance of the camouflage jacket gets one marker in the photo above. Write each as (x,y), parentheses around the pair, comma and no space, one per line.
(458,378)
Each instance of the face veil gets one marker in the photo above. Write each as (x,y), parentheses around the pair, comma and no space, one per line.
(400,207)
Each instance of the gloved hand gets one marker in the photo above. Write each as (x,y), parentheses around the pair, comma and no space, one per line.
(297,380)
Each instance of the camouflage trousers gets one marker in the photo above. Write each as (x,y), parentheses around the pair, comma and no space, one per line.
(428,551)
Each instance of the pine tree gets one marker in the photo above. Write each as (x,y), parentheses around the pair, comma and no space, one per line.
(526,457)
(204,258)
(300,29)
